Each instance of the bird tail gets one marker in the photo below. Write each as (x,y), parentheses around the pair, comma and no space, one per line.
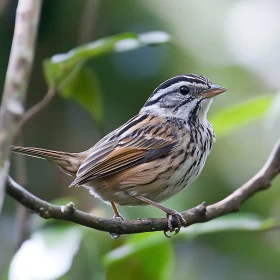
(67,162)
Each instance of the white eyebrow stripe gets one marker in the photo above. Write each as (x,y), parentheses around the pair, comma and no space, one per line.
(175,86)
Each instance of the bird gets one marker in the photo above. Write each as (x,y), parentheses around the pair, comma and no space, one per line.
(153,156)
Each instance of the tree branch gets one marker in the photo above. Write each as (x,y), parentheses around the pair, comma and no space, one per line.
(17,78)
(262,180)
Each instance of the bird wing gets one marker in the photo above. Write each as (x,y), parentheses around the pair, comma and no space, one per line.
(134,143)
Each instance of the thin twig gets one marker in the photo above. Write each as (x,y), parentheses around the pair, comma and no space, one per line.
(36,108)
(262,180)
(17,78)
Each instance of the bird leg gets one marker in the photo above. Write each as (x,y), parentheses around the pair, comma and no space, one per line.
(117,216)
(171,215)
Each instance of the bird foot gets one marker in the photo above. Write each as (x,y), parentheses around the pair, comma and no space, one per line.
(118,217)
(116,235)
(177,218)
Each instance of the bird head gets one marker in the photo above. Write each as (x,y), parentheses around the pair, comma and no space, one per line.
(185,96)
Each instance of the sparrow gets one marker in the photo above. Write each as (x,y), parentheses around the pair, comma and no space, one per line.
(151,157)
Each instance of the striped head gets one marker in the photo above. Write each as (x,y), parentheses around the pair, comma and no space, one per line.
(185,96)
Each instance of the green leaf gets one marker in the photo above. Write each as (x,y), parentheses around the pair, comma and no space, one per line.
(64,66)
(67,73)
(48,254)
(84,88)
(273,114)
(234,222)
(161,256)
(230,119)
(138,262)
(134,244)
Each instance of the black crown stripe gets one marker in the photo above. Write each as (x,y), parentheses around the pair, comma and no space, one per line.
(191,78)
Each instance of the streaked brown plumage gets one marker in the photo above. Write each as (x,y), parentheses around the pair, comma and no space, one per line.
(151,157)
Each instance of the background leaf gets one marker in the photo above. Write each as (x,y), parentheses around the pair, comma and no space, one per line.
(67,72)
(273,114)
(230,119)
(234,222)
(84,88)
(148,249)
(64,66)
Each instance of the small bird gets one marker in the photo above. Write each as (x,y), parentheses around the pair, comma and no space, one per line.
(151,157)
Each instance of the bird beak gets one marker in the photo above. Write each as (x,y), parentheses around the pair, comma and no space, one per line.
(213,91)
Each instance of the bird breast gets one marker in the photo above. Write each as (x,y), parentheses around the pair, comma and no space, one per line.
(162,178)
(190,160)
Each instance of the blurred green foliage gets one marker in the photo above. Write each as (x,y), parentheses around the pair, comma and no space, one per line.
(152,248)
(111,78)
(68,74)
(229,119)
(62,67)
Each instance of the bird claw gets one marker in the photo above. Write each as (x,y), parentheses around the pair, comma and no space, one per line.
(116,235)
(179,220)
(118,217)
(165,234)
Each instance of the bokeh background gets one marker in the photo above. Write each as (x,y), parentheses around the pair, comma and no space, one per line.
(236,45)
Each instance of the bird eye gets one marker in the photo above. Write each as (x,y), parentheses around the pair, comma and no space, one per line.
(184,90)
